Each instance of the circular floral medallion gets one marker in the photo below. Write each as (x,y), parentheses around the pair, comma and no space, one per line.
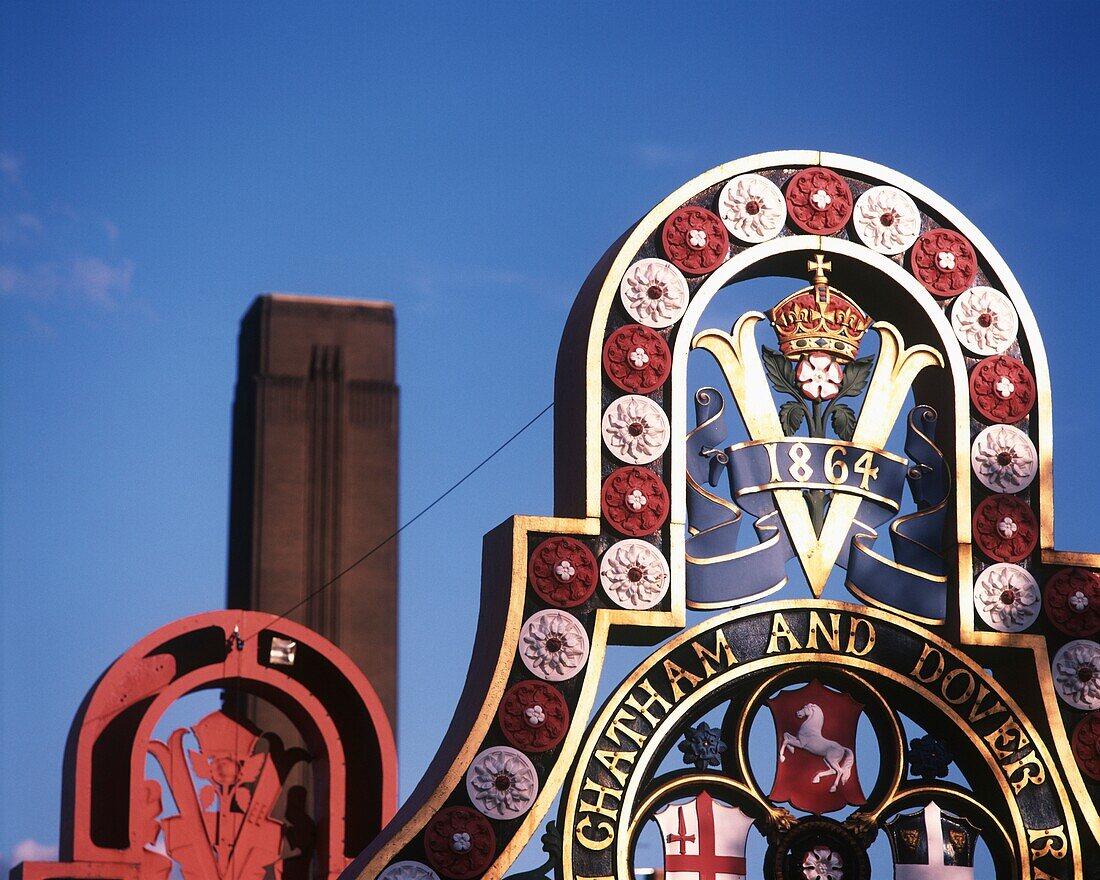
(984,321)
(563,572)
(819,376)
(634,574)
(819,201)
(752,208)
(944,262)
(637,359)
(654,293)
(636,429)
(695,240)
(1072,601)
(634,501)
(822,863)
(534,716)
(553,645)
(887,220)
(1005,529)
(1086,745)
(1002,388)
(1077,674)
(1004,459)
(460,843)
(408,870)
(1007,597)
(502,783)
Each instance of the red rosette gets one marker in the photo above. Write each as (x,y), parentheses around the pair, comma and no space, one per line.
(1002,389)
(1071,599)
(944,262)
(634,501)
(1005,528)
(695,240)
(563,572)
(637,359)
(819,201)
(459,843)
(534,716)
(1086,745)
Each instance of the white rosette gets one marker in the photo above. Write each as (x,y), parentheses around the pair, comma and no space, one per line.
(752,208)
(984,321)
(654,292)
(634,574)
(1007,597)
(408,870)
(553,645)
(1076,673)
(635,429)
(886,220)
(1004,459)
(502,782)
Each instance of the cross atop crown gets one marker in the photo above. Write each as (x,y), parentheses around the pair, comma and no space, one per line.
(819,266)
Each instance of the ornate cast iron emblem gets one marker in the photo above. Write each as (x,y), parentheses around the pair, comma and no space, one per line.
(928,704)
(820,497)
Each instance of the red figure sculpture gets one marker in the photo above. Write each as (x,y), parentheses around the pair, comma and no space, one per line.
(224,791)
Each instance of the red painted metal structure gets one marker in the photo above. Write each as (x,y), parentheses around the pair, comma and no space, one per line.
(224,791)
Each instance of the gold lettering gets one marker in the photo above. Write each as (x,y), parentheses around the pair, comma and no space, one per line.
(618,725)
(611,761)
(925,654)
(968,689)
(863,466)
(1057,833)
(602,793)
(1007,739)
(706,656)
(677,674)
(596,843)
(643,708)
(780,630)
(997,706)
(818,625)
(836,468)
(1024,766)
(775,477)
(800,462)
(852,649)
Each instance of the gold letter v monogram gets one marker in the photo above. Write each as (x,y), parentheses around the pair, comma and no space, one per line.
(894,373)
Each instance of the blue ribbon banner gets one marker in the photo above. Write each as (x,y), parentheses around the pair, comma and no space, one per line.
(719,575)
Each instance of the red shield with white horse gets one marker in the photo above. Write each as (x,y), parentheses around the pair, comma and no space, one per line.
(815,730)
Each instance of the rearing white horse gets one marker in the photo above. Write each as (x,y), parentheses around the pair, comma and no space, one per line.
(838,759)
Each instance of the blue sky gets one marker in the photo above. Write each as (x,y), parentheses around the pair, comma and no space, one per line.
(161,164)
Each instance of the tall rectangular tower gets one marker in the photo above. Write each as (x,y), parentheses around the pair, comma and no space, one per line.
(314,473)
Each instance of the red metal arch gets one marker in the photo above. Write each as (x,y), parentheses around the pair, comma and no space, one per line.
(109,809)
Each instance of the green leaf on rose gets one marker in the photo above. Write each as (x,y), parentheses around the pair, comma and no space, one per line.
(780,372)
(791,415)
(843,421)
(856,375)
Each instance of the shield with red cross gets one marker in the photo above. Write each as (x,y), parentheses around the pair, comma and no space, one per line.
(704,839)
(815,730)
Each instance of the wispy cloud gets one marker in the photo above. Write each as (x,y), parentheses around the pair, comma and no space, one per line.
(91,280)
(11,169)
(59,255)
(33,851)
(101,282)
(652,154)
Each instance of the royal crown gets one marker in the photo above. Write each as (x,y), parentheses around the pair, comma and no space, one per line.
(819,319)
